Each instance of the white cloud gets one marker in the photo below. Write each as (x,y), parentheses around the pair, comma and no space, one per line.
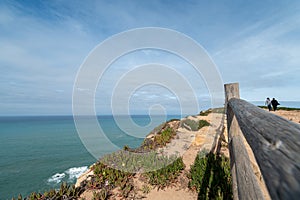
(43,45)
(265,57)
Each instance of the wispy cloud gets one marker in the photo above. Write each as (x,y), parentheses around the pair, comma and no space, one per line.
(264,55)
(43,44)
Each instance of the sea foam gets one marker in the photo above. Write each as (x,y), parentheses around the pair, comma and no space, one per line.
(75,172)
(56,178)
(69,175)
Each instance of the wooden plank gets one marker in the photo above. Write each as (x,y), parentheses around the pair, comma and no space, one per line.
(244,182)
(276,145)
(247,185)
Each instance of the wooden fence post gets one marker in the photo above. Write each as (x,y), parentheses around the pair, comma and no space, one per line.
(244,182)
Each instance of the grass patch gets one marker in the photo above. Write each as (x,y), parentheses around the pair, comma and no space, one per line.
(164,137)
(210,176)
(160,140)
(166,176)
(107,178)
(137,162)
(161,135)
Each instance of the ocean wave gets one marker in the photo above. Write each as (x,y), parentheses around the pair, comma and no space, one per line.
(56,178)
(75,172)
(69,175)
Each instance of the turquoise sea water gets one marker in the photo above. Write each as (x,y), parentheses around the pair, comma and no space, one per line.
(38,153)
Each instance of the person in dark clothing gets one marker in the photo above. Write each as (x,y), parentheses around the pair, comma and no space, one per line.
(274,104)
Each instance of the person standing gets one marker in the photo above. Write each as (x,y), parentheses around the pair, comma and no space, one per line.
(268,103)
(274,104)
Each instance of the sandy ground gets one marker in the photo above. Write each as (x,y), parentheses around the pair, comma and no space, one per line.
(188,144)
(293,116)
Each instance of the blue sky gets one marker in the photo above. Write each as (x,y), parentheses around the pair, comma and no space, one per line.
(43,44)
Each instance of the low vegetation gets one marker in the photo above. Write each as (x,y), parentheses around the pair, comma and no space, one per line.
(194,125)
(203,123)
(102,194)
(165,176)
(165,137)
(206,112)
(212,110)
(210,176)
(65,192)
(106,179)
(161,135)
(137,162)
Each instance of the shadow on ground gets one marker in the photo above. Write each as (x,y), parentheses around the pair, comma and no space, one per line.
(216,181)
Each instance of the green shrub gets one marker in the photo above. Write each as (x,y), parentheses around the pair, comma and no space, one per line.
(126,148)
(203,123)
(193,125)
(205,113)
(173,120)
(210,177)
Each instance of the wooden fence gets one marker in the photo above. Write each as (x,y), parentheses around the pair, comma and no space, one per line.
(275,143)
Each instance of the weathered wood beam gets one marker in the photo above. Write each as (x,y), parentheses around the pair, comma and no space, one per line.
(275,142)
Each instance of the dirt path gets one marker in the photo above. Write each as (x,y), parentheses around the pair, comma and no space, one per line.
(293,116)
(188,144)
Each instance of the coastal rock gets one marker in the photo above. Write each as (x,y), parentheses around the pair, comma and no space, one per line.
(84,177)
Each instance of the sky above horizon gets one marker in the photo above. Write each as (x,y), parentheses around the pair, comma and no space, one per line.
(44,43)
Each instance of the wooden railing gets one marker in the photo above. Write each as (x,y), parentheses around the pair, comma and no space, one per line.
(275,143)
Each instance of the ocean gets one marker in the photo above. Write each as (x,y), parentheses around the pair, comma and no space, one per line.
(39,153)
